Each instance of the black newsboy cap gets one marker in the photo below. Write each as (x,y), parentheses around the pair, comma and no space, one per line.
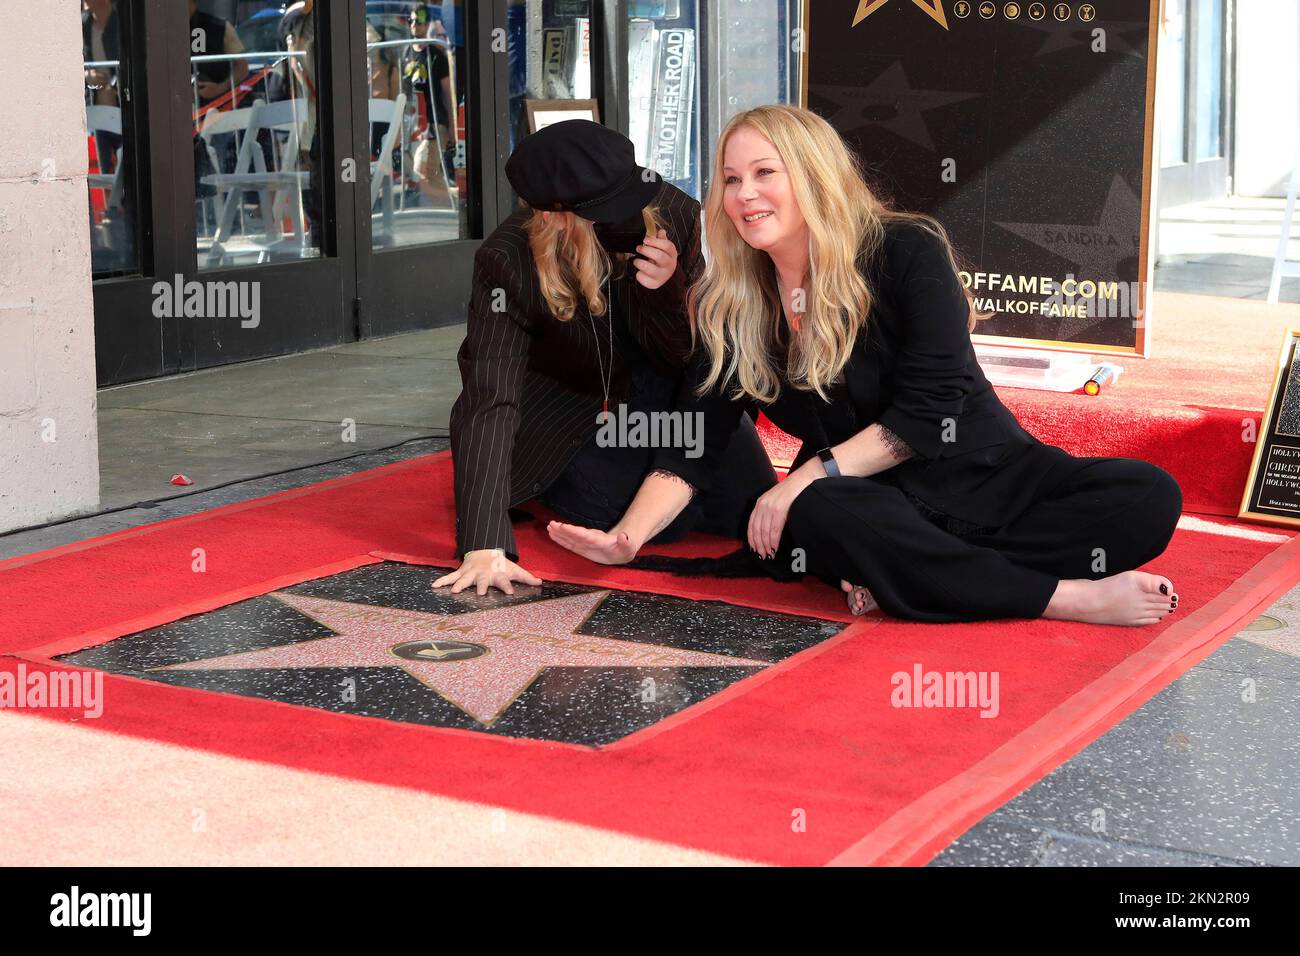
(584,168)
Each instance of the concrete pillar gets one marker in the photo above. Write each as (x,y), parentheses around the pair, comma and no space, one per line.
(49,456)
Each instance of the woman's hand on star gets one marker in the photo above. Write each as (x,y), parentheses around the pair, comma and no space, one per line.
(486,569)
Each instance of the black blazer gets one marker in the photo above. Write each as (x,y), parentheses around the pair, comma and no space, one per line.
(532,385)
(112,35)
(913,370)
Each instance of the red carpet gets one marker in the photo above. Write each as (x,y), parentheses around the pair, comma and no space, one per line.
(814,739)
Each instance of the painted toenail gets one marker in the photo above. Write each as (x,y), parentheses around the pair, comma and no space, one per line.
(1164,589)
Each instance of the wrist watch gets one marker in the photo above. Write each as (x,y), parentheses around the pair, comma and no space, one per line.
(829,463)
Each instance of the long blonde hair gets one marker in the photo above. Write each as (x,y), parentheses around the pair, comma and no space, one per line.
(736,308)
(572,265)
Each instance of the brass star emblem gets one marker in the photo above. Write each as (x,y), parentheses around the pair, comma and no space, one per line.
(933,7)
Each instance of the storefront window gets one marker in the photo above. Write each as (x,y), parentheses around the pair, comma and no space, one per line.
(415,57)
(663,98)
(675,89)
(1171,80)
(105,53)
(257,150)
(550,55)
(1209,80)
(753,60)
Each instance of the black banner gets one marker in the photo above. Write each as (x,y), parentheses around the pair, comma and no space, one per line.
(1025,128)
(344,907)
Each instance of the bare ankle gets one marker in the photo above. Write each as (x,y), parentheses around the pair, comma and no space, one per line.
(1067,600)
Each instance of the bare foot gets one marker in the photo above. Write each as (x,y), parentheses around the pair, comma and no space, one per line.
(1133,599)
(859,598)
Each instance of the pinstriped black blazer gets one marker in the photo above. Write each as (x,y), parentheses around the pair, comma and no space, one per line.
(532,385)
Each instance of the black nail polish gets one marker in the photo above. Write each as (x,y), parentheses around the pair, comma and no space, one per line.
(1164,589)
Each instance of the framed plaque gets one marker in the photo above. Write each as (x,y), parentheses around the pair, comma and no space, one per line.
(1026,127)
(542,113)
(1273,488)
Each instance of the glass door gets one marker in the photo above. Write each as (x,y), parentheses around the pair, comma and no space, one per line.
(662,93)
(1193,85)
(269,177)
(752,59)
(417,72)
(213,129)
(691,66)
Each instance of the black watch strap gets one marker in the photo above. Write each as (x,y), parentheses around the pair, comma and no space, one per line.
(829,463)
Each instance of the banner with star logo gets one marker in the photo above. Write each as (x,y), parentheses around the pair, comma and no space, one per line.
(1026,129)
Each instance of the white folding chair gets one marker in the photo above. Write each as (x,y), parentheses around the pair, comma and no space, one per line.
(250,171)
(1282,266)
(220,123)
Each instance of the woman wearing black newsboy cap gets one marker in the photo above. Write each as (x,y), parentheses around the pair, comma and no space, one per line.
(578,309)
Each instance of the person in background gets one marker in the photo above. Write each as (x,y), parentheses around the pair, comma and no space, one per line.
(101,42)
(385,84)
(426,78)
(297,33)
(213,36)
(385,74)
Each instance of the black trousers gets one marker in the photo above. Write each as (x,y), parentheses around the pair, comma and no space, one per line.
(1089,518)
(599,483)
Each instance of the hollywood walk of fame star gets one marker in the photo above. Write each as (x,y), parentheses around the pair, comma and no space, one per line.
(480,661)
(1095,251)
(933,7)
(890,89)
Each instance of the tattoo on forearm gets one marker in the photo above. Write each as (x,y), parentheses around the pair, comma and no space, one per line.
(665,473)
(665,522)
(900,449)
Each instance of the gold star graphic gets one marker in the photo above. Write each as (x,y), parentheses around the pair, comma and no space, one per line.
(933,7)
